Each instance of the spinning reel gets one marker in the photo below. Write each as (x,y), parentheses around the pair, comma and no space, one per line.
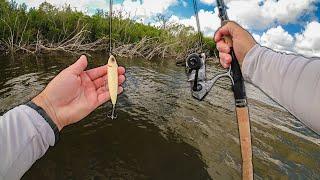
(196,68)
(196,72)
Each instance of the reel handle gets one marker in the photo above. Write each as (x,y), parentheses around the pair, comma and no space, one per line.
(195,82)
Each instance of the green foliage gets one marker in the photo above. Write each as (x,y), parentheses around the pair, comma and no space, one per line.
(21,26)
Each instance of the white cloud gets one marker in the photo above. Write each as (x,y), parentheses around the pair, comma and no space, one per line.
(257,37)
(146,9)
(286,11)
(305,43)
(209,22)
(253,14)
(143,10)
(209,2)
(308,42)
(213,2)
(262,14)
(278,39)
(184,3)
(82,5)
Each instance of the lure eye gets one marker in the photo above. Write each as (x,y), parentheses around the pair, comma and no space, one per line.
(112,59)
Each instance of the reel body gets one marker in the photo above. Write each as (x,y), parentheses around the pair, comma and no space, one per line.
(196,72)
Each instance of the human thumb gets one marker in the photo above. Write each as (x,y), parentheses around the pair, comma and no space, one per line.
(80,65)
(226,30)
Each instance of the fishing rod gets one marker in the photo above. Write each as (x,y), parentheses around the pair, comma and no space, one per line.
(196,13)
(195,56)
(200,87)
(242,109)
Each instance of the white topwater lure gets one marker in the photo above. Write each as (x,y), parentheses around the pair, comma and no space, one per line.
(113,84)
(112,66)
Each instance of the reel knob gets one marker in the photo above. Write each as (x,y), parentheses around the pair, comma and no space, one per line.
(194,61)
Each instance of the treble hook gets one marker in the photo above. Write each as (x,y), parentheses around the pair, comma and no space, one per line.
(112,114)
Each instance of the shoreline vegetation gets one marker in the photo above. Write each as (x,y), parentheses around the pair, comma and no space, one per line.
(48,29)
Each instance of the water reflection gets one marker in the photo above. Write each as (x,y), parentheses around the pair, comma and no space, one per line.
(161,132)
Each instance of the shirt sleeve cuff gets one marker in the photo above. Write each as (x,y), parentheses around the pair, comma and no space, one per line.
(41,122)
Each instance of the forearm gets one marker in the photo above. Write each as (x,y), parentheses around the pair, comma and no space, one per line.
(25,136)
(292,81)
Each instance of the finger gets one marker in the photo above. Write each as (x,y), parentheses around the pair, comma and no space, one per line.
(120,89)
(79,66)
(102,71)
(225,30)
(97,72)
(100,82)
(104,95)
(223,47)
(225,59)
(223,64)
(121,70)
(103,81)
(121,79)
(103,90)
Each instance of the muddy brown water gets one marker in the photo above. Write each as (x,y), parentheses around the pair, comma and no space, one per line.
(161,131)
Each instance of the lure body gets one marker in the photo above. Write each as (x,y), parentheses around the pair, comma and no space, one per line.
(113,82)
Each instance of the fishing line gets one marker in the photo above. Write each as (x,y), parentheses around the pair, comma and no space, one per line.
(196,13)
(112,69)
(110,26)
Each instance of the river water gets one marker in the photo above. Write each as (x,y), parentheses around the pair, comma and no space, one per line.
(161,131)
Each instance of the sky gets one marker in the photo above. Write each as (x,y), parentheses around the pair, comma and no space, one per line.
(284,25)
